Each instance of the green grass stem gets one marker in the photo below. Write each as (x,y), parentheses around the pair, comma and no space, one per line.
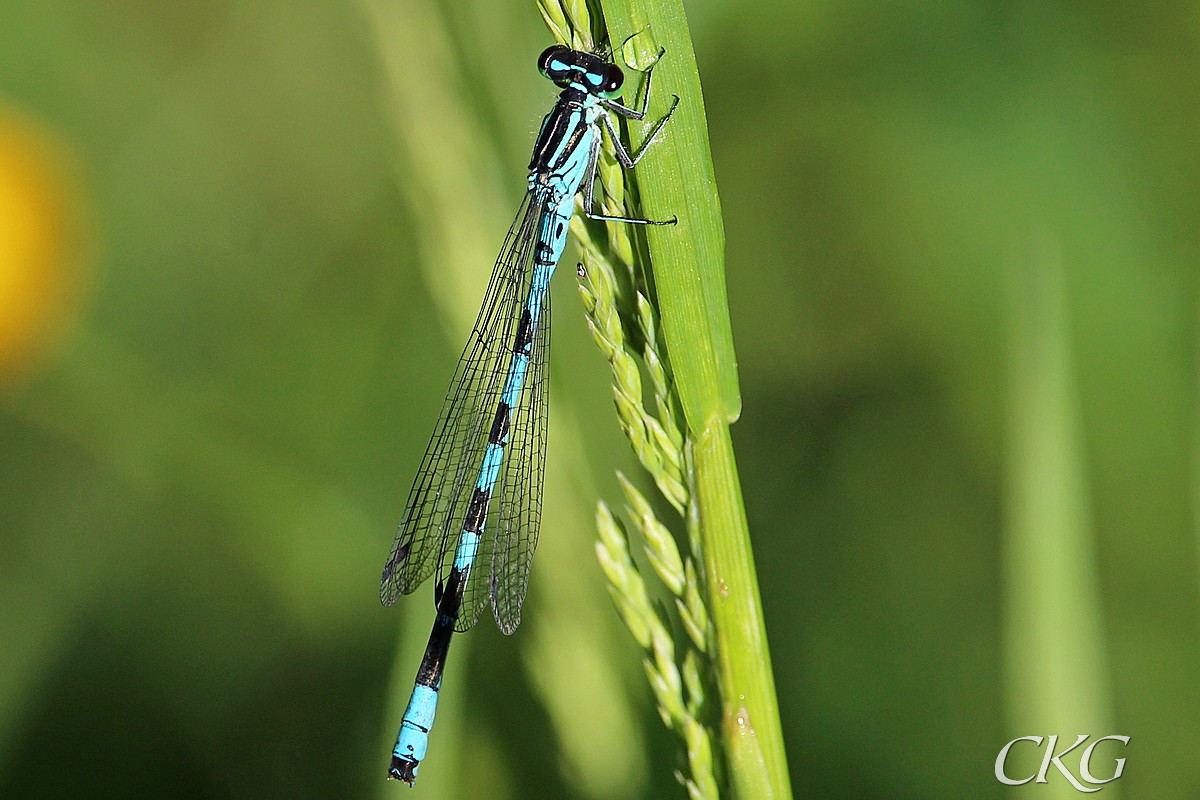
(1056,662)
(664,288)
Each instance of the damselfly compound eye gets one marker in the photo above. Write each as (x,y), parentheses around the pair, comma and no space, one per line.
(613,80)
(552,62)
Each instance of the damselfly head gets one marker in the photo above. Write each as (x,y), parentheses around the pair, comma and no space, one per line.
(567,67)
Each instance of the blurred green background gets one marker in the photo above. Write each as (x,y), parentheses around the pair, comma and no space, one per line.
(243,242)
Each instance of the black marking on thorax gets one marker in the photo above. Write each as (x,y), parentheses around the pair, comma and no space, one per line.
(557,127)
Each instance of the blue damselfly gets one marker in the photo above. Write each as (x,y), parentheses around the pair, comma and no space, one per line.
(474,509)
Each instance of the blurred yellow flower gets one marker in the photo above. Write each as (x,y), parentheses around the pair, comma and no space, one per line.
(39,242)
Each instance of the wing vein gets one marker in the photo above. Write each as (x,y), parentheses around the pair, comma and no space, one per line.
(428,534)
